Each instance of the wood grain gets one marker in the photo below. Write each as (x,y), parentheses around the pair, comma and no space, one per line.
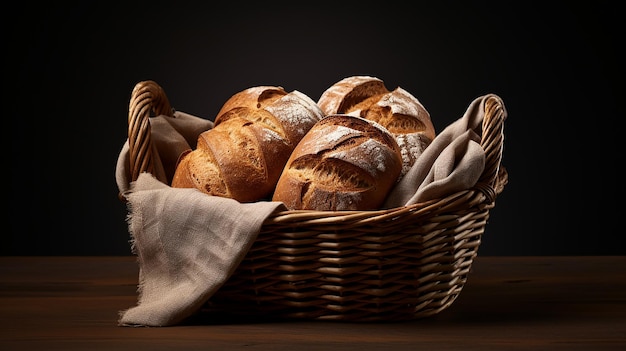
(516,303)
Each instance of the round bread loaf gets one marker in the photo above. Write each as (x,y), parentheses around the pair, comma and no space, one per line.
(343,163)
(244,153)
(398,111)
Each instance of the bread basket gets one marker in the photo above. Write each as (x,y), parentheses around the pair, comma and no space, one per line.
(385,265)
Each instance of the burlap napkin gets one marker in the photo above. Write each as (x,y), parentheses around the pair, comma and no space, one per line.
(453,161)
(188,244)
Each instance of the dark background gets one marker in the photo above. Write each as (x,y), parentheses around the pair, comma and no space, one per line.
(556,65)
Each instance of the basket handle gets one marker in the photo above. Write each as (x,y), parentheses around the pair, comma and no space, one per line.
(492,141)
(147,99)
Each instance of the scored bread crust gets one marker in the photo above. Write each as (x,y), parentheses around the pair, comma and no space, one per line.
(343,163)
(344,95)
(398,111)
(244,154)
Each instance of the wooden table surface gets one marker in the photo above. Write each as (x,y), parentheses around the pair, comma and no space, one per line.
(508,303)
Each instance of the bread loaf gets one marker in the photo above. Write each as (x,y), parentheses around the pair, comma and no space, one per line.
(398,111)
(243,155)
(343,163)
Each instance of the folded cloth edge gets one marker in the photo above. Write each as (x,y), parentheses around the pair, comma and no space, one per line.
(187,245)
(458,149)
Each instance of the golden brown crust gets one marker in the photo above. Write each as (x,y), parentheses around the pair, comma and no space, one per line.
(254,133)
(343,163)
(398,111)
(347,94)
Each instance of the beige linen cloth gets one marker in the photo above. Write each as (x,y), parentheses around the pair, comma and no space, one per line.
(188,243)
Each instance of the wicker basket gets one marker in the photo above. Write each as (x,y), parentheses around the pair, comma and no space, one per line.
(386,265)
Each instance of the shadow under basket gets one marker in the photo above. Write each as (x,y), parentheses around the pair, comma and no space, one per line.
(359,266)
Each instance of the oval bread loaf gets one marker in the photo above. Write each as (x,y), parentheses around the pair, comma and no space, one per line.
(343,163)
(243,155)
(398,111)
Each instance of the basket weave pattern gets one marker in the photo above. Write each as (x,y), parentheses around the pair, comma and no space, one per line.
(386,265)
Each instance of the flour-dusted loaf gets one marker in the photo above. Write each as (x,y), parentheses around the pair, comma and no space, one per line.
(243,155)
(343,163)
(398,111)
